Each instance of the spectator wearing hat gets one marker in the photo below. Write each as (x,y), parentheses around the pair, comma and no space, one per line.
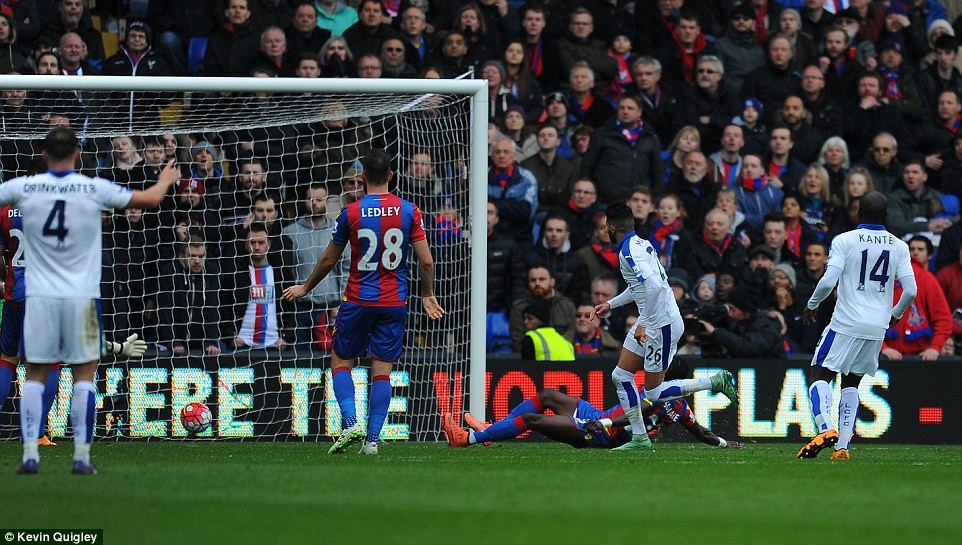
(678,281)
(754,130)
(556,110)
(579,46)
(750,333)
(901,85)
(499,95)
(137,57)
(784,300)
(555,174)
(737,48)
(541,286)
(755,275)
(774,81)
(205,164)
(542,342)
(231,48)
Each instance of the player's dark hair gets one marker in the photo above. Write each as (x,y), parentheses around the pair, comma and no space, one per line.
(620,215)
(929,247)
(61,143)
(873,208)
(377,167)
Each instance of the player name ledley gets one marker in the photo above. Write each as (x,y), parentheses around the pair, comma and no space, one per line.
(380,212)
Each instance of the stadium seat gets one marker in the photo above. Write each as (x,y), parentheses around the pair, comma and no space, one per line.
(195,55)
(498,333)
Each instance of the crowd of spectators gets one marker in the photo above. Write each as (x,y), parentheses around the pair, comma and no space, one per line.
(742,135)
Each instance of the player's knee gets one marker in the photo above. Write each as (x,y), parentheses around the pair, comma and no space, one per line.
(532,419)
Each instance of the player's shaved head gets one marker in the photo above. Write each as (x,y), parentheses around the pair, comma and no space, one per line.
(620,217)
(61,143)
(873,208)
(377,167)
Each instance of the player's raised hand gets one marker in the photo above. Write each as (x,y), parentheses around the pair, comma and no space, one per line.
(601,311)
(295,292)
(432,307)
(170,173)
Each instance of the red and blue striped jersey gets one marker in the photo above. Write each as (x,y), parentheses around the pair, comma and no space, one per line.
(11,233)
(667,413)
(380,228)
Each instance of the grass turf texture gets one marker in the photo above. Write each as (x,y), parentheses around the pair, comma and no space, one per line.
(234,493)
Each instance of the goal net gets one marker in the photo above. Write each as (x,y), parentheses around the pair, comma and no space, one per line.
(260,159)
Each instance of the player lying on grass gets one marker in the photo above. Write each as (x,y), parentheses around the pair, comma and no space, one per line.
(578,423)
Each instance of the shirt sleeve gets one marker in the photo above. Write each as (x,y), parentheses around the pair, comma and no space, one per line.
(417,226)
(111,195)
(10,192)
(341,231)
(640,263)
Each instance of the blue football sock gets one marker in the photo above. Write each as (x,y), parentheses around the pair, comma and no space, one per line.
(7,376)
(502,429)
(50,389)
(530,405)
(378,405)
(344,393)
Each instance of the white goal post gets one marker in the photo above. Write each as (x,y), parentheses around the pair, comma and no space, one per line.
(120,107)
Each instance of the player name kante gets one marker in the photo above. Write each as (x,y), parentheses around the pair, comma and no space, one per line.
(876,239)
(380,212)
(59,187)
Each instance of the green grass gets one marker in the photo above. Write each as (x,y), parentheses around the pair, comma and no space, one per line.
(543,493)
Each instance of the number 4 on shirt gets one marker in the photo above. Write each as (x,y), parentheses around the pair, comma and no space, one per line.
(879,273)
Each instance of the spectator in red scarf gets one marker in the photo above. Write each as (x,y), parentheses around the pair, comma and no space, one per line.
(715,250)
(589,337)
(669,238)
(599,256)
(950,279)
(798,233)
(582,208)
(901,85)
(687,44)
(926,325)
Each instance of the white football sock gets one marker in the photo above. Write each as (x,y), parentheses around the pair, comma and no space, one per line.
(847,411)
(31,416)
(820,396)
(628,396)
(674,389)
(83,407)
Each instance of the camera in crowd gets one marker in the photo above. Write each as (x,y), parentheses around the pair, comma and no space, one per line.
(713,313)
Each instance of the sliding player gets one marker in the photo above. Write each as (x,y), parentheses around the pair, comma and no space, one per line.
(379,227)
(653,340)
(865,262)
(577,423)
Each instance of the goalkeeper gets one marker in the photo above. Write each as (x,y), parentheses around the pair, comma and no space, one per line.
(579,423)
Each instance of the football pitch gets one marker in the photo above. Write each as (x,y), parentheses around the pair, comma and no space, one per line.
(422,493)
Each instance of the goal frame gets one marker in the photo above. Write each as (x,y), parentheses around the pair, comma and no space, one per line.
(477,192)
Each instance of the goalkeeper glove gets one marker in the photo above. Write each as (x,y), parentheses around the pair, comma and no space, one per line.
(133,347)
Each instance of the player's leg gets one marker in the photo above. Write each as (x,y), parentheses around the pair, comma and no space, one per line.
(660,351)
(820,397)
(83,415)
(848,401)
(350,341)
(40,350)
(11,332)
(555,427)
(387,337)
(82,342)
(50,390)
(630,362)
(560,403)
(31,415)
(8,374)
(831,352)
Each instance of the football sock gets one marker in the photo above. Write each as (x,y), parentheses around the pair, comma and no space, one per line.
(31,411)
(847,411)
(673,389)
(499,431)
(82,417)
(344,393)
(628,396)
(8,370)
(50,390)
(530,405)
(379,402)
(820,394)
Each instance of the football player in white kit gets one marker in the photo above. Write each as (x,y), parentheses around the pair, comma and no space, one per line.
(62,227)
(653,340)
(865,262)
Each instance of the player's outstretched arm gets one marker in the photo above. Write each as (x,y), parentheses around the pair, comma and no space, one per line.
(324,265)
(151,197)
(426,264)
(708,437)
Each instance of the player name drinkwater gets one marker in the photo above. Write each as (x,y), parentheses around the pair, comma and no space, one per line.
(380,212)
(58,188)
(76,537)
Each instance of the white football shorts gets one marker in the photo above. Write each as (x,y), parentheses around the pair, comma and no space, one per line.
(61,330)
(660,348)
(847,355)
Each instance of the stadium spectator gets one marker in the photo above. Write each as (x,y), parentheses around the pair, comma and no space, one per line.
(882,164)
(816,20)
(661,100)
(123,157)
(541,286)
(272,53)
(232,48)
(585,105)
(754,130)
(951,175)
(715,249)
(834,158)
(790,24)
(934,136)
(751,333)
(695,189)
(504,266)
(514,190)
(728,160)
(303,34)
(581,209)
(525,141)
(309,237)
(642,207)
(418,44)
(901,86)
(188,301)
(335,16)
(555,252)
(137,57)
(950,279)
(369,66)
(367,35)
(623,153)
(176,22)
(308,65)
(599,255)
(710,104)
(336,58)
(73,56)
(654,22)
(72,18)
(756,195)
(927,324)
(580,47)
(11,60)
(268,13)
(393,64)
(542,342)
(774,81)
(454,59)
(870,116)
(589,337)
(824,114)
(554,173)
(669,238)
(737,48)
(679,54)
(812,208)
(911,209)
(556,108)
(472,24)
(840,70)
(784,171)
(686,140)
(540,48)
(520,83)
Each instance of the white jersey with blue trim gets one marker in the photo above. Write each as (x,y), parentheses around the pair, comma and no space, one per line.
(62,227)
(871,259)
(647,282)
